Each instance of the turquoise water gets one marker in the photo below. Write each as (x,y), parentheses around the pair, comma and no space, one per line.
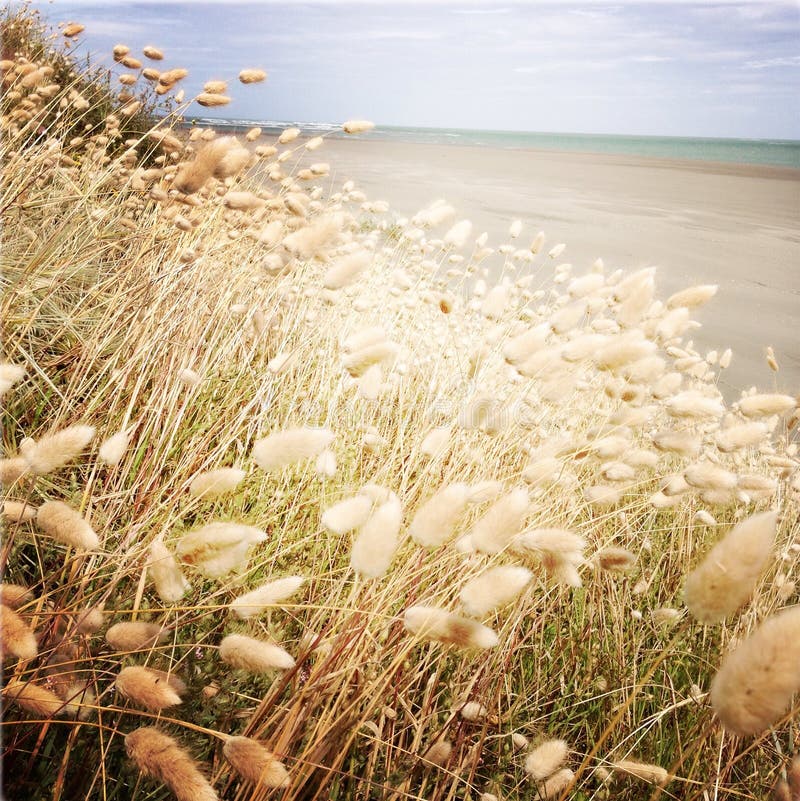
(777,152)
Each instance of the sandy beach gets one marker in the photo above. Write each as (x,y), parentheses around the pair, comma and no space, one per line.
(698,222)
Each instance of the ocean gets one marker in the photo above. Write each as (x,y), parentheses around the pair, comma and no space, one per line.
(776,152)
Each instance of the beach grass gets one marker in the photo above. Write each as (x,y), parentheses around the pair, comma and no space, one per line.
(280,324)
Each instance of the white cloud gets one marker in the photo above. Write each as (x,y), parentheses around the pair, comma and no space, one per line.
(770,63)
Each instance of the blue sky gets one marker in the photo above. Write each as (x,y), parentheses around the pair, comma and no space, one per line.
(670,68)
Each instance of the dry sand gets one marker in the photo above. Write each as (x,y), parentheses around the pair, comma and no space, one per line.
(734,225)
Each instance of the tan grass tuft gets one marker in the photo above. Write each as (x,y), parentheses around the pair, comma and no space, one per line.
(113,449)
(757,680)
(377,541)
(55,450)
(214,483)
(764,405)
(254,763)
(212,100)
(18,511)
(357,126)
(14,595)
(37,700)
(219,548)
(12,469)
(728,574)
(433,623)
(438,754)
(135,636)
(501,522)
(16,637)
(493,589)
(546,759)
(252,76)
(556,784)
(65,525)
(153,53)
(163,569)
(290,446)
(10,374)
(159,756)
(147,688)
(254,656)
(269,594)
(654,774)
(435,521)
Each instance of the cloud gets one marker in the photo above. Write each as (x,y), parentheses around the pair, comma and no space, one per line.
(771,63)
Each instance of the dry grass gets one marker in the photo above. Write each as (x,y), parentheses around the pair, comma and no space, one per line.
(175,319)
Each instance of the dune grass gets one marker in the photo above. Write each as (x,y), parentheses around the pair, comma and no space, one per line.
(184,323)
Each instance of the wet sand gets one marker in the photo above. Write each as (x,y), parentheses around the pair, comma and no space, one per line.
(734,225)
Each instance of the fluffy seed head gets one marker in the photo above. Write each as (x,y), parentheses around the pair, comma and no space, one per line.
(433,623)
(615,560)
(72,29)
(153,53)
(557,550)
(65,525)
(290,446)
(147,688)
(493,589)
(13,469)
(555,784)
(727,576)
(654,774)
(435,521)
(756,681)
(546,759)
(113,449)
(764,405)
(37,700)
(215,87)
(214,483)
(692,297)
(357,126)
(435,441)
(346,269)
(134,636)
(269,594)
(218,548)
(377,541)
(502,521)
(56,450)
(438,754)
(212,100)
(706,475)
(16,638)
(14,595)
(158,755)
(163,569)
(347,514)
(358,362)
(252,655)
(10,374)
(254,763)
(252,76)
(18,511)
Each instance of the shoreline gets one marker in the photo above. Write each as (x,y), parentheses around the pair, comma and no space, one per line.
(737,226)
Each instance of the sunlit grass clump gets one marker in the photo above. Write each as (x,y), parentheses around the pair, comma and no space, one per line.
(306,500)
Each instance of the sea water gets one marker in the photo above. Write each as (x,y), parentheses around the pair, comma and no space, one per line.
(776,152)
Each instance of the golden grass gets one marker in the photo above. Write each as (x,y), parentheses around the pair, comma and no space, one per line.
(177,324)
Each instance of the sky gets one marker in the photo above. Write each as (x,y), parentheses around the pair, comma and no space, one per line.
(705,68)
